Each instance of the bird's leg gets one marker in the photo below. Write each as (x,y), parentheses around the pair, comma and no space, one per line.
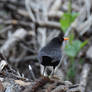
(44,71)
(52,73)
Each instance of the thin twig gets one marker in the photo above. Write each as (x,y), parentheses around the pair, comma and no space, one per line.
(27,4)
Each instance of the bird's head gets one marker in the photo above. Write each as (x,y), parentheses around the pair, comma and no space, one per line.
(59,39)
(62,38)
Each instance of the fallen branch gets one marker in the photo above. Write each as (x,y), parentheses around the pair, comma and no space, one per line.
(9,44)
(56,5)
(41,82)
(84,76)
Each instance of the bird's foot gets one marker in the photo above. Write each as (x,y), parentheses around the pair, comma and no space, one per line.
(44,76)
(53,77)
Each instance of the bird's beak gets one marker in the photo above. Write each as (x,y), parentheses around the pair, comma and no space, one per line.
(66,38)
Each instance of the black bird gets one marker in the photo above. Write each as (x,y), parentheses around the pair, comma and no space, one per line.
(50,55)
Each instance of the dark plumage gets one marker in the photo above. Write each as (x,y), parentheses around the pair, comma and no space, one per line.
(51,54)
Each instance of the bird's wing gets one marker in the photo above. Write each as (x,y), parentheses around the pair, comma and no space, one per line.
(40,55)
(55,54)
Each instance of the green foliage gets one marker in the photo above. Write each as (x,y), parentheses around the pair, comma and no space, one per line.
(71,38)
(73,48)
(67,19)
(83,44)
(71,73)
(81,61)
